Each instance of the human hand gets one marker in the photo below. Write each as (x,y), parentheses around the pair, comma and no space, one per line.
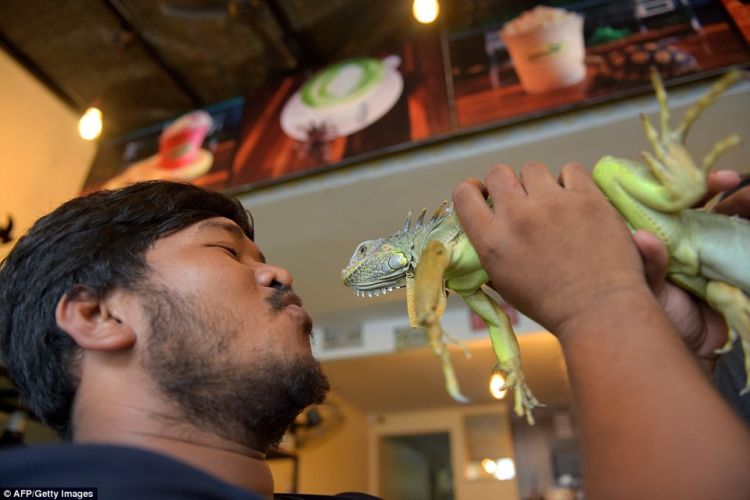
(738,203)
(701,328)
(554,250)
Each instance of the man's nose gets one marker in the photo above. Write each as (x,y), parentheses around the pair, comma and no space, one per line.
(271,276)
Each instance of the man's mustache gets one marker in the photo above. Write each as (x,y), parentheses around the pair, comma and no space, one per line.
(282,296)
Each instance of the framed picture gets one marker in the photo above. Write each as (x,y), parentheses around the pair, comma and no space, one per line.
(348,111)
(196,147)
(583,53)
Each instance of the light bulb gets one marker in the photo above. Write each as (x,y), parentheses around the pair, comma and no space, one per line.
(505,469)
(496,382)
(90,124)
(489,466)
(425,11)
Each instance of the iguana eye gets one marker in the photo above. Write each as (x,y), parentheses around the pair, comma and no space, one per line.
(397,261)
(362,250)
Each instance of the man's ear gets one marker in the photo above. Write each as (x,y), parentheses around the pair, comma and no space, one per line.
(93,322)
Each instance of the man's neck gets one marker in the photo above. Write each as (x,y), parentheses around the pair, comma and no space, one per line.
(143,421)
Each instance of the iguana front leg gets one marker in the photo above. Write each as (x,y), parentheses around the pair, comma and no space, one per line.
(429,306)
(428,303)
(504,343)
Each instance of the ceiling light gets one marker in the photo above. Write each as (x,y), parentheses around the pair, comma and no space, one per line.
(496,383)
(425,11)
(90,124)
(489,466)
(505,469)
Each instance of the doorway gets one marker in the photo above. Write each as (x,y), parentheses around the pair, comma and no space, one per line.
(416,467)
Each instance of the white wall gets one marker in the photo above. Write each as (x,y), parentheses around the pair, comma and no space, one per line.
(335,465)
(43,161)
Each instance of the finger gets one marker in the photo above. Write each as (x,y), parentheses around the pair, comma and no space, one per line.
(574,176)
(737,203)
(655,259)
(719,181)
(536,178)
(476,184)
(503,185)
(469,202)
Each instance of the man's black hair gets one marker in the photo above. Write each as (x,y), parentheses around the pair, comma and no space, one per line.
(98,243)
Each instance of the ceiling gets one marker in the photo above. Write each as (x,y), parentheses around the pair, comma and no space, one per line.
(147,61)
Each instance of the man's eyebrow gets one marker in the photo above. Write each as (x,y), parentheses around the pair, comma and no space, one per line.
(231,228)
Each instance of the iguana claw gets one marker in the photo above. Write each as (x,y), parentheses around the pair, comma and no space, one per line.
(524,400)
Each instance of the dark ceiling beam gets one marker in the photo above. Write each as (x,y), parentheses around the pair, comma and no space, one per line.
(64,94)
(297,44)
(128,24)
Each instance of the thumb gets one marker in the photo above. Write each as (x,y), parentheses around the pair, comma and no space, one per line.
(655,259)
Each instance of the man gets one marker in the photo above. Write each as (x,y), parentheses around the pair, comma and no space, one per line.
(652,425)
(146,325)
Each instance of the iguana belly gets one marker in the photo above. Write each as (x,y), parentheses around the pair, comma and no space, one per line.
(722,245)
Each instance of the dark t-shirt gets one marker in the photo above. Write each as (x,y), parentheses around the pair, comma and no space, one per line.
(730,378)
(122,473)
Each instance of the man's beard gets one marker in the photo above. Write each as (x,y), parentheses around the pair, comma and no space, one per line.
(189,355)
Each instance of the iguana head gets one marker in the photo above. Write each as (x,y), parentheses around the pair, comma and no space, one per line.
(379,266)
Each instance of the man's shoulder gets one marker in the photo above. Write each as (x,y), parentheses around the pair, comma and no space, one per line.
(116,472)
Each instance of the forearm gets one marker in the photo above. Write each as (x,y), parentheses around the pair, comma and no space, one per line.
(652,425)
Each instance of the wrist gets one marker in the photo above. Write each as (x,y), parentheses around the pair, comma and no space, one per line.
(611,308)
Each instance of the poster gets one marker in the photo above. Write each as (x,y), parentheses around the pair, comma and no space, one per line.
(443,83)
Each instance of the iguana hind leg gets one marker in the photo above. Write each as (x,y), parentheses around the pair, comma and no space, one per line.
(719,149)
(683,182)
(694,111)
(734,305)
(428,305)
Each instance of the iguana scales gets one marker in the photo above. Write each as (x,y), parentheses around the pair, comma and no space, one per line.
(709,253)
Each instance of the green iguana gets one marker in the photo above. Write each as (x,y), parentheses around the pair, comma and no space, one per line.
(709,253)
